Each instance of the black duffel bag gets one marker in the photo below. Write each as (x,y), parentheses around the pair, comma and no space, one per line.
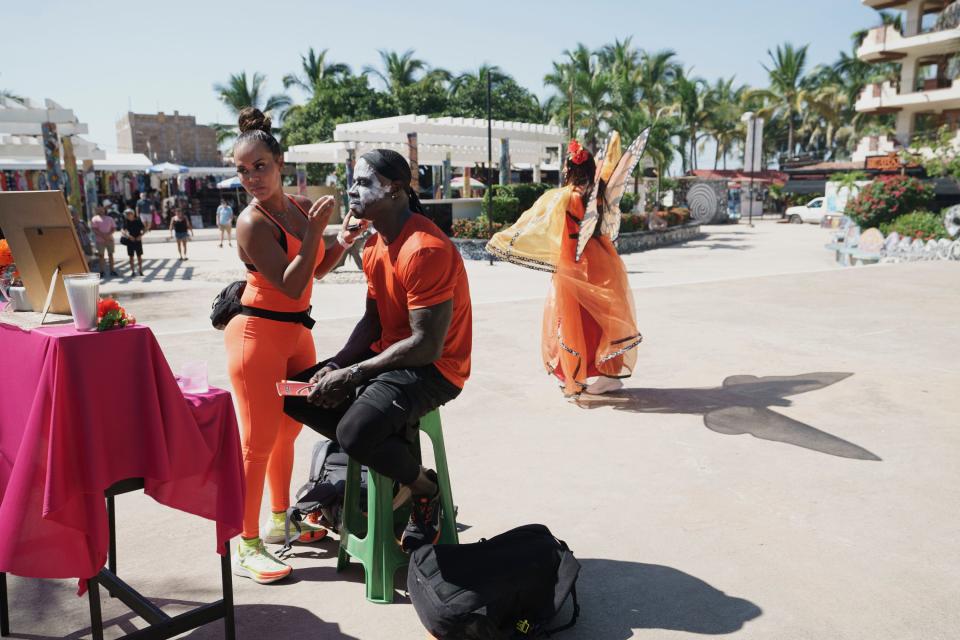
(510,586)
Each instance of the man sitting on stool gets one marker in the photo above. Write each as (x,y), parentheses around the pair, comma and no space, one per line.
(409,354)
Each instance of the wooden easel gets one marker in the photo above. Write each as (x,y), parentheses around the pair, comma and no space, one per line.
(44,243)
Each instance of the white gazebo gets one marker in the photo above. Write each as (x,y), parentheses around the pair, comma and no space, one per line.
(456,142)
(47,138)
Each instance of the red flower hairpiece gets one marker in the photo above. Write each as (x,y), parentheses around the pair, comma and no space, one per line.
(578,155)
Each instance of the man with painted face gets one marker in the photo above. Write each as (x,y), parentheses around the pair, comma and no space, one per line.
(408,355)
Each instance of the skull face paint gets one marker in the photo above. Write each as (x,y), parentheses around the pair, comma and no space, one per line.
(366,188)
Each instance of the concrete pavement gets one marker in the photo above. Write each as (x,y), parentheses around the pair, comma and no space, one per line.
(781,465)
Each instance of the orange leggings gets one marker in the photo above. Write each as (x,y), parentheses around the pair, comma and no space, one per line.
(260,353)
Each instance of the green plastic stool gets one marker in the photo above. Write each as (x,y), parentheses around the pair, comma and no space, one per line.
(377,549)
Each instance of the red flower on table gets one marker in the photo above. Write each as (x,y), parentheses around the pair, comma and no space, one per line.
(110,314)
(106,305)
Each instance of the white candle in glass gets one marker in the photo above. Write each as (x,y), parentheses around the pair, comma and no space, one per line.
(83,294)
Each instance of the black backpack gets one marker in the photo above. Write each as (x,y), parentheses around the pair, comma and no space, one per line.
(510,586)
(323,492)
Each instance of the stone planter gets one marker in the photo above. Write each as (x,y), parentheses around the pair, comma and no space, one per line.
(643,240)
(472,249)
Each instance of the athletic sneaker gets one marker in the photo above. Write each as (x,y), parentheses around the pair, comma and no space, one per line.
(252,560)
(272,531)
(424,524)
(604,385)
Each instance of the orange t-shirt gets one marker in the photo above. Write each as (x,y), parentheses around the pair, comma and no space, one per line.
(421,268)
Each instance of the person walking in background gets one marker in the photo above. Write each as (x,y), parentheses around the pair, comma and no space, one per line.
(145,210)
(225,221)
(180,227)
(103,227)
(133,230)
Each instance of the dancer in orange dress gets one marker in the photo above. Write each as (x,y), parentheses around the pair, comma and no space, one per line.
(589,326)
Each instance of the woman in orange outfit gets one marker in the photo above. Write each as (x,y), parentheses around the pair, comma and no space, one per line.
(280,241)
(589,327)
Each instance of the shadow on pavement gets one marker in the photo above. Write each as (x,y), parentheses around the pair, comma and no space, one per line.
(273,621)
(741,405)
(619,597)
(166,269)
(252,620)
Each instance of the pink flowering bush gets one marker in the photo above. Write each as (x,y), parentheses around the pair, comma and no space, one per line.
(887,198)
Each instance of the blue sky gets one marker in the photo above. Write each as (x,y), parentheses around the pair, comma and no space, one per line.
(102,58)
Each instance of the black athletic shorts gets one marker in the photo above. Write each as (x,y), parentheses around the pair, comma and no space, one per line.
(402,395)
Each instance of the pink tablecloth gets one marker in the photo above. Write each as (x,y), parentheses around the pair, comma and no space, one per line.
(81,411)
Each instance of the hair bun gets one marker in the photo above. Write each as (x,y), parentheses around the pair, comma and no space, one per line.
(252,119)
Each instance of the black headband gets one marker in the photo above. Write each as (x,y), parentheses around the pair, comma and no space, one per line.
(389,164)
(393,166)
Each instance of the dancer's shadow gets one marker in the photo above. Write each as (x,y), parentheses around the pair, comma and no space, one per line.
(618,597)
(742,405)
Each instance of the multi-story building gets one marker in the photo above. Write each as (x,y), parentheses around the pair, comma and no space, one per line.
(926,96)
(169,138)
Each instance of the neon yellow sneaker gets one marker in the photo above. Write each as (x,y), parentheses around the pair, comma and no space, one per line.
(272,531)
(252,560)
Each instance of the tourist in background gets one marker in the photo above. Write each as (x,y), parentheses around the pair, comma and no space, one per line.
(103,227)
(133,230)
(225,221)
(181,228)
(144,208)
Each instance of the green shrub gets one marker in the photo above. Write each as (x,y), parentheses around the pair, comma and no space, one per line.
(506,209)
(631,222)
(886,198)
(526,192)
(478,228)
(919,224)
(627,202)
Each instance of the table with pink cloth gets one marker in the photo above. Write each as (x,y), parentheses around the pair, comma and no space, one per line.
(82,411)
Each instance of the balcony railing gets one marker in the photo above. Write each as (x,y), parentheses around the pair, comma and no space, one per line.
(949,18)
(886,96)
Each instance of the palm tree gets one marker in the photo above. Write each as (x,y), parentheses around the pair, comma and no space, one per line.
(656,74)
(583,94)
(239,92)
(723,119)
(823,117)
(621,61)
(315,71)
(225,132)
(562,105)
(693,97)
(480,76)
(399,70)
(594,97)
(787,85)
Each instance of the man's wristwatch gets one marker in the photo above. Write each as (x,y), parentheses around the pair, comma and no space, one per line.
(353,373)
